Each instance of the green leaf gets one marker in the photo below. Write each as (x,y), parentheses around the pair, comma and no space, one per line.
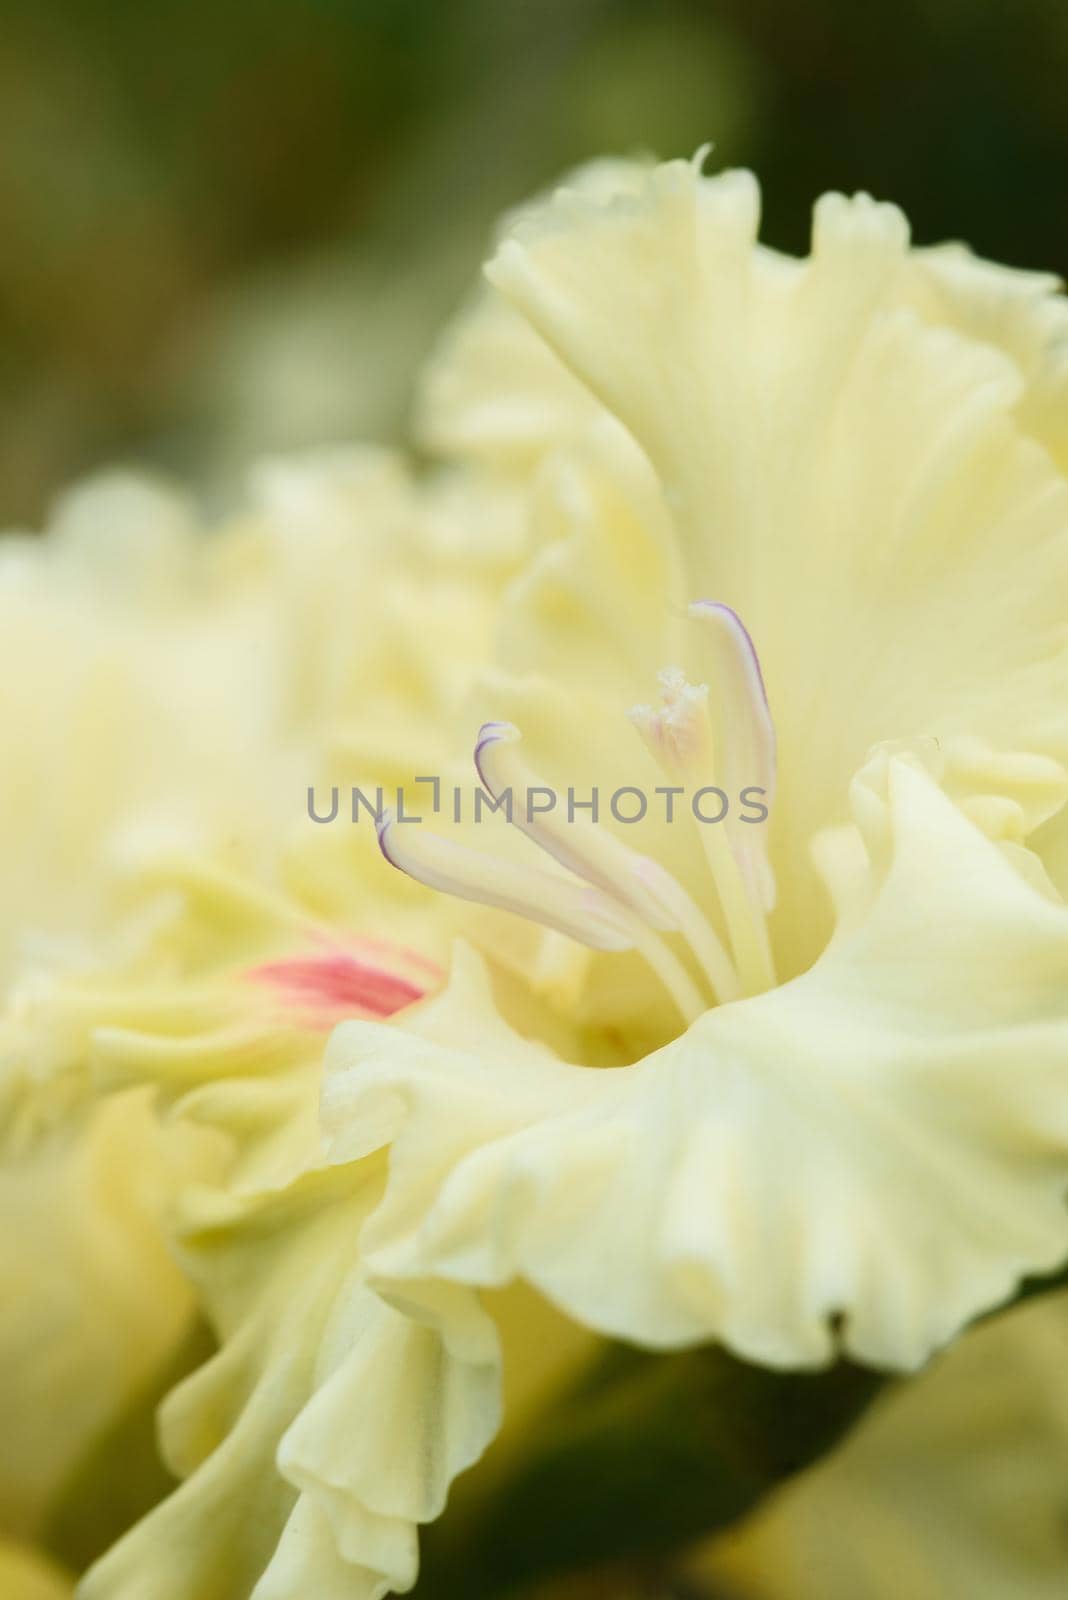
(646,1454)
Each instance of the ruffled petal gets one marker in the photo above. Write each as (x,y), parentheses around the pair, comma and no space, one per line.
(1025,314)
(853,474)
(867,1156)
(94,1305)
(327,1426)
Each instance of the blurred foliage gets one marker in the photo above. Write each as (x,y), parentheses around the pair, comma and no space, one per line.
(645,1454)
(234,228)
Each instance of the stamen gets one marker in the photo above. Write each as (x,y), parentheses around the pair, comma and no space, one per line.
(585,849)
(635,881)
(698,932)
(580,910)
(623,900)
(456,869)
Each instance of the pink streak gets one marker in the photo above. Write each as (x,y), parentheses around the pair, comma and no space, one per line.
(338,984)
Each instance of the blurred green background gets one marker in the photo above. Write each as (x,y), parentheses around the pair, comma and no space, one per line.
(230,228)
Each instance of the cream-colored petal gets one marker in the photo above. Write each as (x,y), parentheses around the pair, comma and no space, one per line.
(1023,313)
(855,479)
(298,1478)
(495,392)
(219,1013)
(594,603)
(163,690)
(881,1144)
(94,1305)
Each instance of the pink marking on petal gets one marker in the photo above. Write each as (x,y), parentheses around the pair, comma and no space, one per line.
(395,957)
(338,984)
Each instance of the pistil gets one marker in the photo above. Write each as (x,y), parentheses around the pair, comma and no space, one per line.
(681,737)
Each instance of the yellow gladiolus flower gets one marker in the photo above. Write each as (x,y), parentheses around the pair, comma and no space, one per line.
(840,1120)
(767,1043)
(174,917)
